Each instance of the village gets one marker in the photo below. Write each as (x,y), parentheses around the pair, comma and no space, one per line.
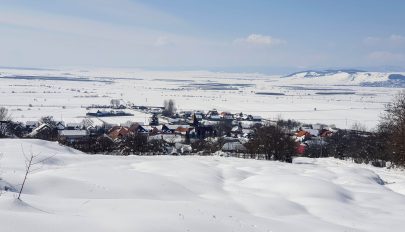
(171,132)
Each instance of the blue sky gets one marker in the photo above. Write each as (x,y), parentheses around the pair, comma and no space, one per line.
(224,35)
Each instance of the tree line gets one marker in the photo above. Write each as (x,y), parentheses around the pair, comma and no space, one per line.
(384,144)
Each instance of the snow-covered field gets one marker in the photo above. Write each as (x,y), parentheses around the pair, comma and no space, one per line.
(72,191)
(336,99)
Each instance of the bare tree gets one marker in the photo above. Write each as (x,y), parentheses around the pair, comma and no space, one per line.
(392,124)
(273,142)
(170,108)
(115,103)
(1,189)
(358,126)
(156,146)
(134,143)
(4,129)
(31,163)
(49,120)
(4,115)
(288,124)
(224,128)
(11,129)
(50,131)
(360,147)
(202,145)
(8,127)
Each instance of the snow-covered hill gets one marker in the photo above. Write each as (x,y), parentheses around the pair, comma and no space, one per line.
(347,77)
(72,191)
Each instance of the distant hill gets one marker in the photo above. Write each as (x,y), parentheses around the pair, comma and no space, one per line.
(347,77)
(320,73)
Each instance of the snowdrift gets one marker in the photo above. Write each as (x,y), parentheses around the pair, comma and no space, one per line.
(73,191)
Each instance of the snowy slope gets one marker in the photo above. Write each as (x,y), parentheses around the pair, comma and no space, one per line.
(77,192)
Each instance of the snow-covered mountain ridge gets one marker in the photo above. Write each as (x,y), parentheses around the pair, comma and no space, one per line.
(347,77)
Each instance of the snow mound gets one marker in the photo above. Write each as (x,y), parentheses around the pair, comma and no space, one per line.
(5,186)
(79,192)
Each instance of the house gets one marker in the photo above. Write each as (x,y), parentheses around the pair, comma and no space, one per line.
(179,129)
(213,115)
(198,117)
(94,126)
(319,126)
(199,114)
(138,128)
(316,142)
(183,129)
(302,135)
(60,125)
(99,113)
(74,126)
(247,133)
(237,130)
(38,129)
(173,120)
(118,132)
(226,116)
(111,113)
(233,147)
(325,133)
(247,124)
(154,130)
(300,150)
(211,122)
(30,125)
(254,118)
(169,129)
(311,131)
(185,114)
(43,131)
(156,111)
(72,135)
(203,131)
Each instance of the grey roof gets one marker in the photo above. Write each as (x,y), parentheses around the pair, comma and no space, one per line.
(73,133)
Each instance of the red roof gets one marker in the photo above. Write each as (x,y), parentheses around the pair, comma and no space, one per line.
(302,133)
(118,132)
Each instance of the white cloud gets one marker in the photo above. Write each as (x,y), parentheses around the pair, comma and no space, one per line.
(162,41)
(124,20)
(392,40)
(372,40)
(258,39)
(384,56)
(397,39)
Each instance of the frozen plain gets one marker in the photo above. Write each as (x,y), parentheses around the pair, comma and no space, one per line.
(64,94)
